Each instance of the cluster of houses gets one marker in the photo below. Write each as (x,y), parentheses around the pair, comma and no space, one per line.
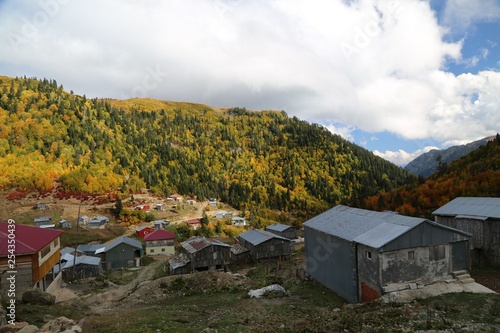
(359,254)
(97,222)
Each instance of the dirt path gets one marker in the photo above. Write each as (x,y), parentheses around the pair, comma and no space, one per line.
(109,298)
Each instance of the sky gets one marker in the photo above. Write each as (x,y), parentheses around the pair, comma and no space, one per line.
(397,77)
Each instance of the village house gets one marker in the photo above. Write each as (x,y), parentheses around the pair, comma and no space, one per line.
(263,245)
(44,222)
(83,220)
(41,206)
(200,253)
(175,197)
(160,242)
(121,252)
(239,221)
(479,217)
(360,254)
(65,224)
(98,222)
(143,231)
(37,251)
(194,224)
(160,224)
(283,230)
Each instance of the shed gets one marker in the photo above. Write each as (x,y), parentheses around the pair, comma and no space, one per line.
(160,242)
(202,254)
(479,217)
(80,266)
(264,245)
(160,224)
(98,222)
(283,230)
(360,253)
(239,221)
(43,221)
(83,219)
(143,231)
(65,224)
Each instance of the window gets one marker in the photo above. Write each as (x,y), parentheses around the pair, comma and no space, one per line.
(368,255)
(411,255)
(45,251)
(163,250)
(151,251)
(56,242)
(437,252)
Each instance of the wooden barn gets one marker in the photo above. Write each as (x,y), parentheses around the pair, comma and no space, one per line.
(264,245)
(479,217)
(200,253)
(283,230)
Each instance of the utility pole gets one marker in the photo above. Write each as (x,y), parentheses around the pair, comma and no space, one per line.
(77,227)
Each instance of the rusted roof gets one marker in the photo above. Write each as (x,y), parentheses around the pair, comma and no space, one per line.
(195,243)
(178,261)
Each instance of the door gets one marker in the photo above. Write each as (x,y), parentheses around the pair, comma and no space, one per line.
(460,256)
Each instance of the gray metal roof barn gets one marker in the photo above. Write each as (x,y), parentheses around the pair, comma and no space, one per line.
(357,252)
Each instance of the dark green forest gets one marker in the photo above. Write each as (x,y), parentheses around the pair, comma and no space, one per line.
(252,160)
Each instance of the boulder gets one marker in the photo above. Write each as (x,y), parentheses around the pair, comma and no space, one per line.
(13,328)
(37,296)
(28,329)
(62,325)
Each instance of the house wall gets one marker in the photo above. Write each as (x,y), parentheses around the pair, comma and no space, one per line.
(369,287)
(332,262)
(415,264)
(209,257)
(272,248)
(156,247)
(24,275)
(485,241)
(122,255)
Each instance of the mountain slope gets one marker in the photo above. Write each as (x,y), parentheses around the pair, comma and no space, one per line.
(477,175)
(249,159)
(427,163)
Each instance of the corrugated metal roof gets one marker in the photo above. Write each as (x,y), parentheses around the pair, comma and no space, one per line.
(179,260)
(195,243)
(257,236)
(238,249)
(278,227)
(28,238)
(363,226)
(123,239)
(471,206)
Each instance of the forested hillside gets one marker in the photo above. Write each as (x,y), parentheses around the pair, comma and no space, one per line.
(476,175)
(251,160)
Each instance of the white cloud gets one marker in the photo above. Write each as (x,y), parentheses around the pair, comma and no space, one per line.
(402,157)
(343,131)
(361,63)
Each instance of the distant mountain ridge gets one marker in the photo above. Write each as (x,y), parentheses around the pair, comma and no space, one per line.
(427,163)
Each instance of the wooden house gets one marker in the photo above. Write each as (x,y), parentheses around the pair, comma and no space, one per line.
(83,220)
(479,217)
(283,230)
(361,254)
(200,253)
(121,252)
(37,251)
(160,242)
(265,245)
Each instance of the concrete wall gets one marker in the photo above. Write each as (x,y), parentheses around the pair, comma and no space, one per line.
(368,273)
(425,264)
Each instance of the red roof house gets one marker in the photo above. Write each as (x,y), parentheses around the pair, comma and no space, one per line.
(195,224)
(143,231)
(36,253)
(160,242)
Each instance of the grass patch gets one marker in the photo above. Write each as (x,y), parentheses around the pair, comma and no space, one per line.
(122,276)
(38,314)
